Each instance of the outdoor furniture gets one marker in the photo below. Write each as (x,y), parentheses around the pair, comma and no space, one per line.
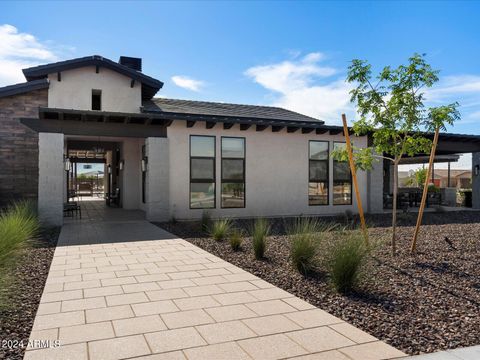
(71,208)
(113,198)
(434,198)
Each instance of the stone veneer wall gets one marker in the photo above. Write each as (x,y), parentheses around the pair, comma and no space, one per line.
(19,146)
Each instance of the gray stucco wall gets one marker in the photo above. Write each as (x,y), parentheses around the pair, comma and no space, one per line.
(51,178)
(157,181)
(475,181)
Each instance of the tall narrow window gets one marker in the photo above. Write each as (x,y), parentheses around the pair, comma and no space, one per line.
(318,173)
(97,100)
(202,172)
(233,172)
(342,180)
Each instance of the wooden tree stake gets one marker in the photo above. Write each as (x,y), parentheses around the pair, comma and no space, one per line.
(425,191)
(354,178)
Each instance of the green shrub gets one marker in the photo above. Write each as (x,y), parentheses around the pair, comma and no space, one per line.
(220,229)
(236,239)
(18,225)
(206,221)
(347,255)
(261,229)
(305,234)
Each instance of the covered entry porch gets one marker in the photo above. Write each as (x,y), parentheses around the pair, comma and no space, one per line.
(446,189)
(135,157)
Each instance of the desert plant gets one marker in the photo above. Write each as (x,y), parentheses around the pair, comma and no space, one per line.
(220,229)
(18,225)
(236,239)
(261,229)
(347,255)
(206,221)
(306,236)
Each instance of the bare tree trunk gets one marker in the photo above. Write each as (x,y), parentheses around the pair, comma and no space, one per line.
(394,208)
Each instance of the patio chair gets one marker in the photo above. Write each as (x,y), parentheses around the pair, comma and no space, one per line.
(71,208)
(113,198)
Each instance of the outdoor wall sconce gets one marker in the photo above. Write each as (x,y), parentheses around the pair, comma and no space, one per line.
(121,165)
(476,170)
(67,164)
(144,164)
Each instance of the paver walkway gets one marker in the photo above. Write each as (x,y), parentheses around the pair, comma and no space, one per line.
(128,289)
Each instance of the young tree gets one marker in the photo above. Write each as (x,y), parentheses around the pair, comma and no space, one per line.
(391,110)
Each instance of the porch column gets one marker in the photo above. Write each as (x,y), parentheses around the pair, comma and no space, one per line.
(157,179)
(375,188)
(476,181)
(51,178)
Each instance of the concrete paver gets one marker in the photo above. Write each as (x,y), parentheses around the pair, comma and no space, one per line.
(120,287)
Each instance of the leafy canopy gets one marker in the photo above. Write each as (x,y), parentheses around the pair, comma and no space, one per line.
(391,107)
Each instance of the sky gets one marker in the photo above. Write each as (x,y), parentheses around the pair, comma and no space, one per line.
(292,54)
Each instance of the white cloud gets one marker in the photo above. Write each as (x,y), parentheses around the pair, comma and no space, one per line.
(187,82)
(298,86)
(20,50)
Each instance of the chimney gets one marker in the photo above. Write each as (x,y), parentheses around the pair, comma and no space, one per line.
(131,62)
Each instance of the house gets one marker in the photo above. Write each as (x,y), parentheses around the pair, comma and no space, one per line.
(176,158)
(459,178)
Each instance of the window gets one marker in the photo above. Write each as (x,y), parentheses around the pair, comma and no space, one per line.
(202,172)
(233,172)
(318,173)
(96,99)
(342,180)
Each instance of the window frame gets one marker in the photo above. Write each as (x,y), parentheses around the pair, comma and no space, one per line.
(202,181)
(244,181)
(333,178)
(328,172)
(96,92)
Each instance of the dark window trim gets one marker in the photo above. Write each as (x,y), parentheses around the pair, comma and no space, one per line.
(333,179)
(222,180)
(201,181)
(328,172)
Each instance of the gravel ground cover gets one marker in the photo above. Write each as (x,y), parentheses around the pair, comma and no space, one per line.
(21,292)
(417,303)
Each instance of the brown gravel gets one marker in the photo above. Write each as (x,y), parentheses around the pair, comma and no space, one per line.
(22,292)
(418,304)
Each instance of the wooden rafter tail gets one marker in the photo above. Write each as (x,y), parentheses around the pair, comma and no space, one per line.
(425,192)
(354,178)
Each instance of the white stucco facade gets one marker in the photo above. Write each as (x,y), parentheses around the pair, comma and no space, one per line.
(74,90)
(276,172)
(158,190)
(51,178)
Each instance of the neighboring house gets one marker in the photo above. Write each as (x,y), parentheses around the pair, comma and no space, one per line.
(173,157)
(461,179)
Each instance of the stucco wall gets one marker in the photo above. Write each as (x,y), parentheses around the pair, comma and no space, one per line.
(51,178)
(276,172)
(74,91)
(131,174)
(157,182)
(475,181)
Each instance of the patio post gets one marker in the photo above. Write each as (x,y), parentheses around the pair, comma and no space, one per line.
(157,179)
(51,178)
(476,180)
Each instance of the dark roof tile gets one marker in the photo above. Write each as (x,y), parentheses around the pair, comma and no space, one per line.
(204,108)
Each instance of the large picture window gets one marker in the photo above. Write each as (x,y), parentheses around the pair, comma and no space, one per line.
(318,173)
(202,172)
(342,180)
(233,172)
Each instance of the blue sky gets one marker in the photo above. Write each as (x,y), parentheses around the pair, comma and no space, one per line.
(292,54)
